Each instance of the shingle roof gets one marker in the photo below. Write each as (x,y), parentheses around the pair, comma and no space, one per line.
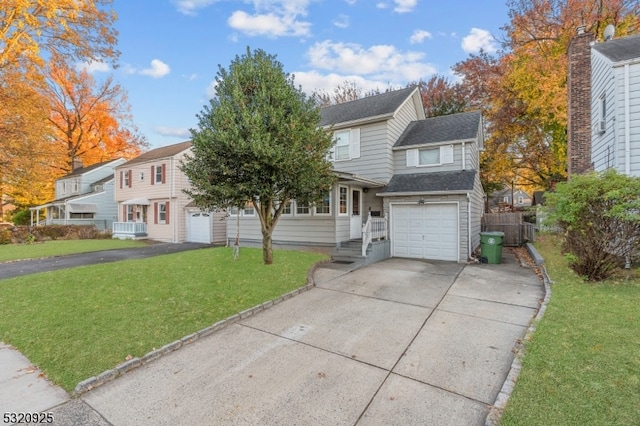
(82,170)
(444,128)
(162,152)
(370,106)
(458,180)
(620,49)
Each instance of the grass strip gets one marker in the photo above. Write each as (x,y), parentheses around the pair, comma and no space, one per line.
(582,365)
(10,252)
(76,323)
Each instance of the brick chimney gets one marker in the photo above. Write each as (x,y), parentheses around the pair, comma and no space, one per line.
(579,108)
(76,164)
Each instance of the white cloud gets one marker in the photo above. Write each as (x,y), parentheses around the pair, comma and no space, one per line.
(419,36)
(382,5)
(380,63)
(313,81)
(351,2)
(158,69)
(273,18)
(92,67)
(341,21)
(479,39)
(179,132)
(405,6)
(189,7)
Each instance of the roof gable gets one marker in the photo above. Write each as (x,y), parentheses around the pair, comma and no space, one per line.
(620,49)
(384,104)
(158,153)
(444,128)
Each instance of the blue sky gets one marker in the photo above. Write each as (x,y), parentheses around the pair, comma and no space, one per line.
(171,49)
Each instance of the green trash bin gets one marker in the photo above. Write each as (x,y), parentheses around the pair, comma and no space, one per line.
(491,246)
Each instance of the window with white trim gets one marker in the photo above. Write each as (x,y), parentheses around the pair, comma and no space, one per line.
(602,124)
(323,206)
(420,157)
(162,212)
(248,209)
(343,208)
(130,212)
(346,146)
(302,209)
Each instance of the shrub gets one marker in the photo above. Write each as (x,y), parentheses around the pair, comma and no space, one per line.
(5,235)
(21,217)
(599,214)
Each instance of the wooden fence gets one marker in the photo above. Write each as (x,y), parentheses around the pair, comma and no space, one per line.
(516,230)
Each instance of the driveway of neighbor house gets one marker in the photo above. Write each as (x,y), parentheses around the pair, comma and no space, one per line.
(397,342)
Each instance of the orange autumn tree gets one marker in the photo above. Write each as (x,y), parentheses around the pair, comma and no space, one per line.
(90,121)
(30,32)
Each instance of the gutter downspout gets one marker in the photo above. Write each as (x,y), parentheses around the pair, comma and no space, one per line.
(174,208)
(469,248)
(627,127)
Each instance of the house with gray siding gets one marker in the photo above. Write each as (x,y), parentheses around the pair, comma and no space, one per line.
(408,186)
(604,104)
(83,197)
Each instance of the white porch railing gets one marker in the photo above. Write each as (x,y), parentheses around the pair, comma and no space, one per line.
(129,229)
(374,228)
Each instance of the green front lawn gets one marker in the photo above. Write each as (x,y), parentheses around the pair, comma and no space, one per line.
(9,252)
(76,323)
(582,366)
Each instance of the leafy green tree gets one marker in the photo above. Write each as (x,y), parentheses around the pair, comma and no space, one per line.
(259,141)
(599,214)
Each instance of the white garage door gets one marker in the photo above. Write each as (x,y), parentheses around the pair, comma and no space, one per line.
(428,231)
(199,227)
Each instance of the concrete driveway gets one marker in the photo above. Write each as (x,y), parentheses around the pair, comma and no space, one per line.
(397,342)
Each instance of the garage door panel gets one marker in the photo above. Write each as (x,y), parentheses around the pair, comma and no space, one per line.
(427,231)
(199,228)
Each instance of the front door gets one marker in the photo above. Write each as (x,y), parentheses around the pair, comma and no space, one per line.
(356,214)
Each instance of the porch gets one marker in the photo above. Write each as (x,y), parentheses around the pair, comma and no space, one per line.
(100,224)
(129,230)
(372,247)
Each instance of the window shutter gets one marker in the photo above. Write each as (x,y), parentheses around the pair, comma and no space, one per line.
(121,178)
(130,178)
(155,213)
(153,175)
(446,154)
(164,173)
(412,158)
(124,212)
(166,212)
(354,143)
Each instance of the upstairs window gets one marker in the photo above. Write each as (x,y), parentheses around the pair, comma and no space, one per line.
(158,174)
(302,209)
(347,145)
(430,156)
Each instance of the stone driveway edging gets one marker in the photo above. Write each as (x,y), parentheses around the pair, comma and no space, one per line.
(495,413)
(133,363)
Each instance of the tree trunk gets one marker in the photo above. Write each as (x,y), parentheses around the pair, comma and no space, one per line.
(267,250)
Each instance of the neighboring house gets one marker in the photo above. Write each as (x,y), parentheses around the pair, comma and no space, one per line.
(152,204)
(604,104)
(416,179)
(83,197)
(508,197)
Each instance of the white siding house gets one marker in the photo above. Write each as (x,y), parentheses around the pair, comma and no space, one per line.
(615,105)
(83,197)
(429,210)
